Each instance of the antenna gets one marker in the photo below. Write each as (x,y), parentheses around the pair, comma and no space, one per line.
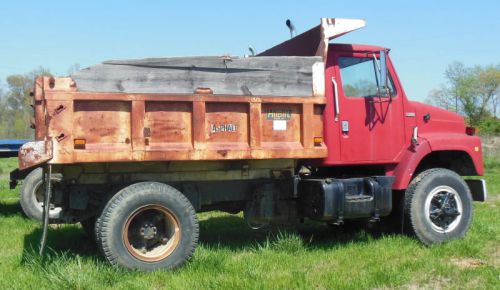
(291,27)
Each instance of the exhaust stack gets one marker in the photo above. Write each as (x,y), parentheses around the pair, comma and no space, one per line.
(291,27)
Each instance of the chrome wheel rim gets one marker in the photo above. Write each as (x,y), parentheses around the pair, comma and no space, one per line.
(443,209)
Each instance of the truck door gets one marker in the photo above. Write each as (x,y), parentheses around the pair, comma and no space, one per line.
(371,127)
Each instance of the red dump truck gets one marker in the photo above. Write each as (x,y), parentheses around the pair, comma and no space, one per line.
(306,130)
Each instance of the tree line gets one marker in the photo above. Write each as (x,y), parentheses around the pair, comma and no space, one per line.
(16,109)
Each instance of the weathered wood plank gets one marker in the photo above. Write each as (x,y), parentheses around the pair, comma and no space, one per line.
(225,63)
(263,76)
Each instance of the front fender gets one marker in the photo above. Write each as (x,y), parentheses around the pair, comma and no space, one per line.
(459,142)
(428,143)
(410,160)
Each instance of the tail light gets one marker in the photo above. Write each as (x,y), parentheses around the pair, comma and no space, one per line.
(470,131)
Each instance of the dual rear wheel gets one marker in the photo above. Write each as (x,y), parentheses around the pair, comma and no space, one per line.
(146,226)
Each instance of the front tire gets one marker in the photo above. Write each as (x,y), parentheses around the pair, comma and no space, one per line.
(438,206)
(148,226)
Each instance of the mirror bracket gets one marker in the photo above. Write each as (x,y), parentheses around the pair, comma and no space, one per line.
(383,89)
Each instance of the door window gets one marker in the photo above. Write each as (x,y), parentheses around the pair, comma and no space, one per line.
(360,77)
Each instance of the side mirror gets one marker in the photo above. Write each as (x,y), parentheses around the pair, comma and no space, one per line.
(383,88)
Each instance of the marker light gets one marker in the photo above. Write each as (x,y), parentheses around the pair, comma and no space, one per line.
(80,143)
(318,141)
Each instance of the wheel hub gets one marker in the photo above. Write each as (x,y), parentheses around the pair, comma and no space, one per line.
(151,233)
(148,231)
(443,208)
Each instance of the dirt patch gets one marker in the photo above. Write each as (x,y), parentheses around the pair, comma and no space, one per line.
(491,146)
(438,283)
(496,256)
(467,263)
(493,200)
(4,177)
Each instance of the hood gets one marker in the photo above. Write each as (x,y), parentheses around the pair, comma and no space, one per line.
(431,119)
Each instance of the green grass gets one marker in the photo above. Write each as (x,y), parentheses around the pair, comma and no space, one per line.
(231,256)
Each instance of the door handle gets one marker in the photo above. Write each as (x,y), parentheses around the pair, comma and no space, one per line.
(345,127)
(336,99)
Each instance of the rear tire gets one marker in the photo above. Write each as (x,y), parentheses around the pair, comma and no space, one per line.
(438,206)
(148,226)
(32,195)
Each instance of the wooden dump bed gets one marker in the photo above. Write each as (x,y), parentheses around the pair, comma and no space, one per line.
(90,126)
(264,107)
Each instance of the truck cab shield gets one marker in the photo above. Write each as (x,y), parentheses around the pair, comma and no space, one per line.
(314,42)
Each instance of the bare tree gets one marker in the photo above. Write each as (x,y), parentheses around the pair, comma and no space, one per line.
(489,78)
(16,110)
(495,103)
(488,83)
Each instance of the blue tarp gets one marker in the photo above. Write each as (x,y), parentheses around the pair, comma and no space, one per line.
(10,148)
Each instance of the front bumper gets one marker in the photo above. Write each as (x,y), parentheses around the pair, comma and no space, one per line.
(477,189)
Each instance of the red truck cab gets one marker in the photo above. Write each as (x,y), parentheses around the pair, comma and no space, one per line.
(391,131)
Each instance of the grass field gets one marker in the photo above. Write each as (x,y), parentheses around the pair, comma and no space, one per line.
(231,256)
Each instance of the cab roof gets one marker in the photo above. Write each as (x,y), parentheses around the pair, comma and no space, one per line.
(355,47)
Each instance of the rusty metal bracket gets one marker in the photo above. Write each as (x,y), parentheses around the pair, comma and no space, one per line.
(34,153)
(60,137)
(59,110)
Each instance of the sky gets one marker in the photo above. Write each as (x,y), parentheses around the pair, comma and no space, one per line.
(424,36)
